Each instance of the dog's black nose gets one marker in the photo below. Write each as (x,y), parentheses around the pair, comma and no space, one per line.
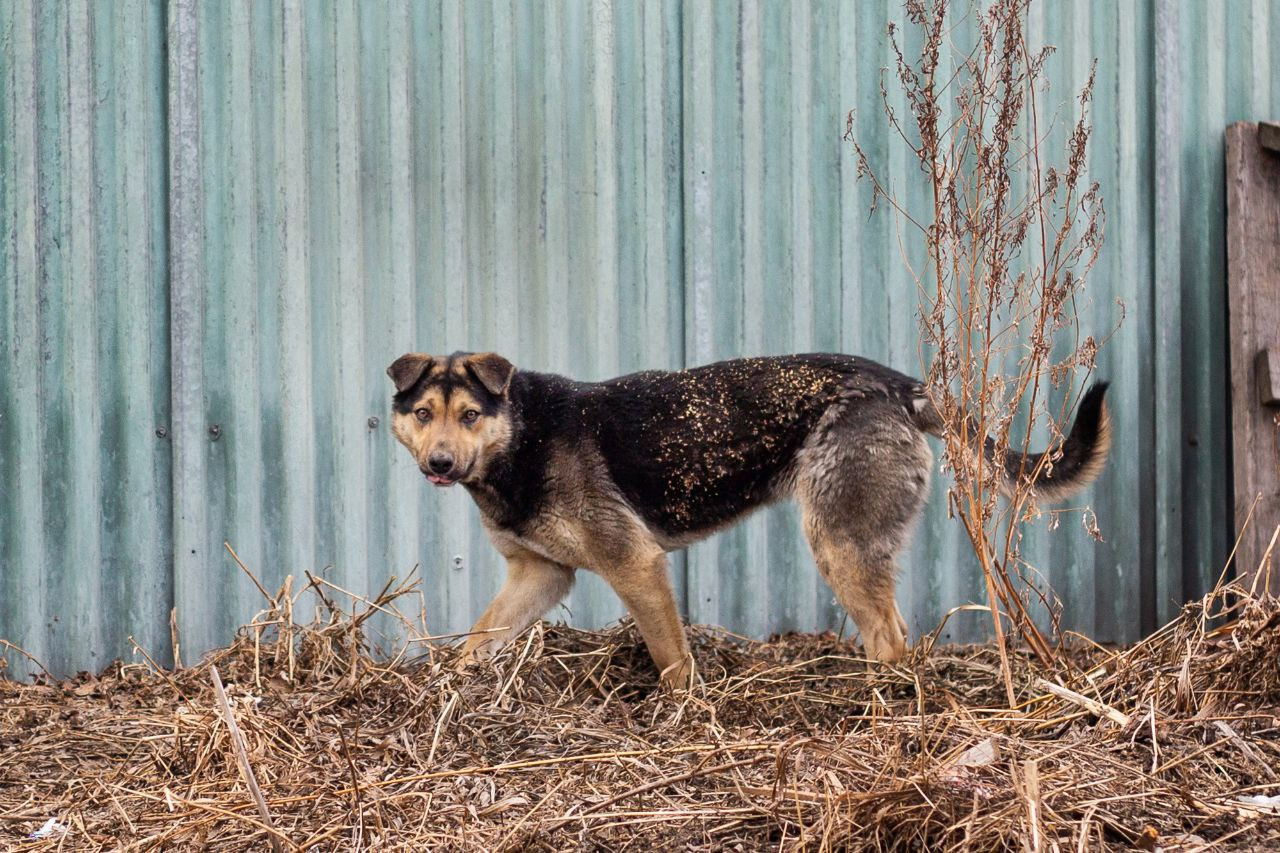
(440,463)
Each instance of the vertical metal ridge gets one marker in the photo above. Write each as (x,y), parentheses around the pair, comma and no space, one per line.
(529,89)
(1137,166)
(83,458)
(1166,303)
(507,113)
(28,608)
(343,478)
(603,94)
(231,496)
(294,361)
(1263,20)
(186,323)
(555,197)
(1206,406)
(396,331)
(144,552)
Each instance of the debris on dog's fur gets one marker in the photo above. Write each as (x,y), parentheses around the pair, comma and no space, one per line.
(564,741)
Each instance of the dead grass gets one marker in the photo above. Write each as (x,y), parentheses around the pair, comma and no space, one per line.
(564,743)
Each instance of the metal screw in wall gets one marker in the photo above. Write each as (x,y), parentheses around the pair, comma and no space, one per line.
(373,422)
(161,432)
(215,432)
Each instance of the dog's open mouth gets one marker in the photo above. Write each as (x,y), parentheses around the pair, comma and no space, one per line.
(457,475)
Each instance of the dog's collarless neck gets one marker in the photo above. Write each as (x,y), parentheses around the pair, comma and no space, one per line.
(500,494)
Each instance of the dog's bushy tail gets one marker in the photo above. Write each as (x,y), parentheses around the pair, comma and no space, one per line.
(1082,457)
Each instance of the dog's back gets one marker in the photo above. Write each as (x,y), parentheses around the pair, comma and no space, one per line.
(692,450)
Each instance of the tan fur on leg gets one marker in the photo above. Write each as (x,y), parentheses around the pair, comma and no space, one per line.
(533,586)
(645,589)
(865,589)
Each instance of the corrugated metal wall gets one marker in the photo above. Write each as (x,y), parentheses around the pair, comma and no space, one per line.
(589,187)
(85,546)
(379,178)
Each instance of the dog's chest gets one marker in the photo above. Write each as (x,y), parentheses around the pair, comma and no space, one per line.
(557,539)
(587,534)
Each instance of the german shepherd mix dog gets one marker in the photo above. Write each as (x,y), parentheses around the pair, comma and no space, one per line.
(610,476)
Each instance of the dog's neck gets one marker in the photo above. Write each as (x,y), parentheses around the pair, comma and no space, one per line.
(506,492)
(497,493)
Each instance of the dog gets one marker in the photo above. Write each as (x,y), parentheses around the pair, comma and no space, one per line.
(610,476)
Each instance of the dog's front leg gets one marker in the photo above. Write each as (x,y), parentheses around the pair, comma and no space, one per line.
(643,586)
(533,586)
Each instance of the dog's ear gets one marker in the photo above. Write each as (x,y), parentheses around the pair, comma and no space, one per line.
(493,371)
(406,370)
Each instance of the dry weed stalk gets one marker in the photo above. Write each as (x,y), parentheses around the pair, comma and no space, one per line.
(1010,240)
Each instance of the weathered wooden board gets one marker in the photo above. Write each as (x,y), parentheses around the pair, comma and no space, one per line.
(1253,281)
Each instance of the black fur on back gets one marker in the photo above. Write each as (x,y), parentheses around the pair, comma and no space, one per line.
(689,450)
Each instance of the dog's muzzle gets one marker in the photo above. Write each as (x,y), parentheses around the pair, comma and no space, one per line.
(441,469)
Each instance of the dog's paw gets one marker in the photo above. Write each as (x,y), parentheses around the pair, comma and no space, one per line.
(680,676)
(886,641)
(468,664)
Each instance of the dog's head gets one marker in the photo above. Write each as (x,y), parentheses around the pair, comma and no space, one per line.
(452,412)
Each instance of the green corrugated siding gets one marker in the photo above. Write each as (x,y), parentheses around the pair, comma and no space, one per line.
(85,547)
(377,179)
(588,187)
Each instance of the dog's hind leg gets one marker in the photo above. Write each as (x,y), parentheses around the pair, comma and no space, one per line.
(864,586)
(534,585)
(862,480)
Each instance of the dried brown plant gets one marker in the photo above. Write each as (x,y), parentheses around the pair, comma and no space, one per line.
(564,742)
(1009,242)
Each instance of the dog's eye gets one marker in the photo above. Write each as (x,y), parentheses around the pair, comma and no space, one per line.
(423,415)
(470,416)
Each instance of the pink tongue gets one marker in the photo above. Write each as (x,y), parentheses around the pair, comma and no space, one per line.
(439,481)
